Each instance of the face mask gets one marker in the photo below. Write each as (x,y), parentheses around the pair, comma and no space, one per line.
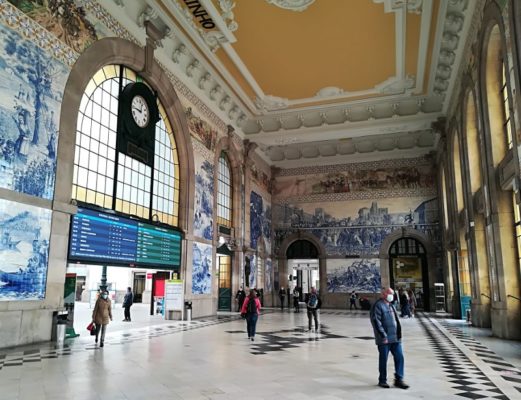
(390,298)
(104,296)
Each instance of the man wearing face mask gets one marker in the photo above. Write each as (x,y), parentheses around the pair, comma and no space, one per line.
(101,315)
(388,335)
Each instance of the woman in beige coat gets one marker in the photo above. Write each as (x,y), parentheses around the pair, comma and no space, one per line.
(101,315)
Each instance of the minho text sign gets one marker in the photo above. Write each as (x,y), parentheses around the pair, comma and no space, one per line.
(200,13)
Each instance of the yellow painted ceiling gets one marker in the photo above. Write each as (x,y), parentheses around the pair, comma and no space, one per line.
(349,44)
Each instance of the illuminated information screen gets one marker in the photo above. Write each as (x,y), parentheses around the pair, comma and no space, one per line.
(110,239)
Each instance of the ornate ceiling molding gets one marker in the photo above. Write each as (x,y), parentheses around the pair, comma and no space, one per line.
(293,5)
(453,25)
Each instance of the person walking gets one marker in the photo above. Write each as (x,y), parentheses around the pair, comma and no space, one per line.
(288,293)
(352,300)
(388,336)
(128,300)
(412,302)
(282,294)
(404,304)
(251,311)
(239,298)
(296,298)
(313,305)
(101,315)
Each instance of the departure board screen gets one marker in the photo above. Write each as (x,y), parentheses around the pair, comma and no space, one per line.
(110,239)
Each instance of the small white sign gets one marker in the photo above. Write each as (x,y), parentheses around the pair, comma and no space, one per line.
(174,295)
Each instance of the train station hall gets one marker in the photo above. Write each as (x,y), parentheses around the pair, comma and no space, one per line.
(260,199)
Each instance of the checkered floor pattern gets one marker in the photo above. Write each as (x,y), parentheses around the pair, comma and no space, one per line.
(506,370)
(465,377)
(36,353)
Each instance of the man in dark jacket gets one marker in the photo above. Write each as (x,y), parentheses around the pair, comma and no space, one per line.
(128,300)
(239,297)
(388,336)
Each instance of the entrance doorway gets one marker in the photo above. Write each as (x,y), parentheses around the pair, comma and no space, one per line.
(139,286)
(224,273)
(303,267)
(408,269)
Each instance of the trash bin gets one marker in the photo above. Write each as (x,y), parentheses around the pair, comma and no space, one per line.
(61,326)
(188,310)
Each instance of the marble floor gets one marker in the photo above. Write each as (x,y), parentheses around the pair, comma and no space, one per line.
(211,358)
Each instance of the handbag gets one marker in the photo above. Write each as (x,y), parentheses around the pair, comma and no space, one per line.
(90,326)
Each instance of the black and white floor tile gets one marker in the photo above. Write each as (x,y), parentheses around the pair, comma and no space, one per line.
(463,375)
(506,370)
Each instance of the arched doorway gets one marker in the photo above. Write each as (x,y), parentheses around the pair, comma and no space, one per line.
(408,269)
(303,266)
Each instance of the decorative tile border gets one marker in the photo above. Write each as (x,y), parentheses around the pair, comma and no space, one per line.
(201,149)
(31,30)
(327,169)
(359,195)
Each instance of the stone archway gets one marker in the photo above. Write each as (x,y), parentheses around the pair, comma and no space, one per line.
(283,260)
(430,249)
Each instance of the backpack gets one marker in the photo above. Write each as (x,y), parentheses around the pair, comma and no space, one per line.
(251,308)
(313,301)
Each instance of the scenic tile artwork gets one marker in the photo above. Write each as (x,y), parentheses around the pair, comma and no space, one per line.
(361,275)
(202,269)
(260,221)
(252,273)
(24,251)
(63,18)
(415,177)
(357,226)
(204,191)
(201,130)
(268,279)
(31,90)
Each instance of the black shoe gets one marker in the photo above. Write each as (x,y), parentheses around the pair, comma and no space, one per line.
(401,384)
(101,344)
(384,385)
(252,339)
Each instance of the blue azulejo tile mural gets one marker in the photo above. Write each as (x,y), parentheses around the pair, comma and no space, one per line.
(358,226)
(268,280)
(252,273)
(31,90)
(203,210)
(24,251)
(260,221)
(202,269)
(361,275)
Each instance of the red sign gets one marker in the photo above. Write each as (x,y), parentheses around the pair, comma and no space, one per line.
(149,276)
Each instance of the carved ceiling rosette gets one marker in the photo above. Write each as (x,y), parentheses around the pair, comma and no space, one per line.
(293,5)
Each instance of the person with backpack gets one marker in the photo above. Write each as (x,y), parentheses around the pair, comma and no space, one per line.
(296,296)
(352,300)
(251,311)
(313,304)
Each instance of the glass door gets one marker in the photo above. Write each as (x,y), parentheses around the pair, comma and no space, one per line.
(225,282)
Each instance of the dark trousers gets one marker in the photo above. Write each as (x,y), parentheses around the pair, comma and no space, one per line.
(251,324)
(127,313)
(352,304)
(101,328)
(312,314)
(399,363)
(281,302)
(296,304)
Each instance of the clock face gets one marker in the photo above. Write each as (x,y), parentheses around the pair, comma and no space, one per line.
(140,112)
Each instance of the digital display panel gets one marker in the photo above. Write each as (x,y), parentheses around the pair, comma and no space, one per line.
(104,238)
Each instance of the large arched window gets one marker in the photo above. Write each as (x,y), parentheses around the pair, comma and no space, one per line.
(113,180)
(224,192)
(444,197)
(458,181)
(473,150)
